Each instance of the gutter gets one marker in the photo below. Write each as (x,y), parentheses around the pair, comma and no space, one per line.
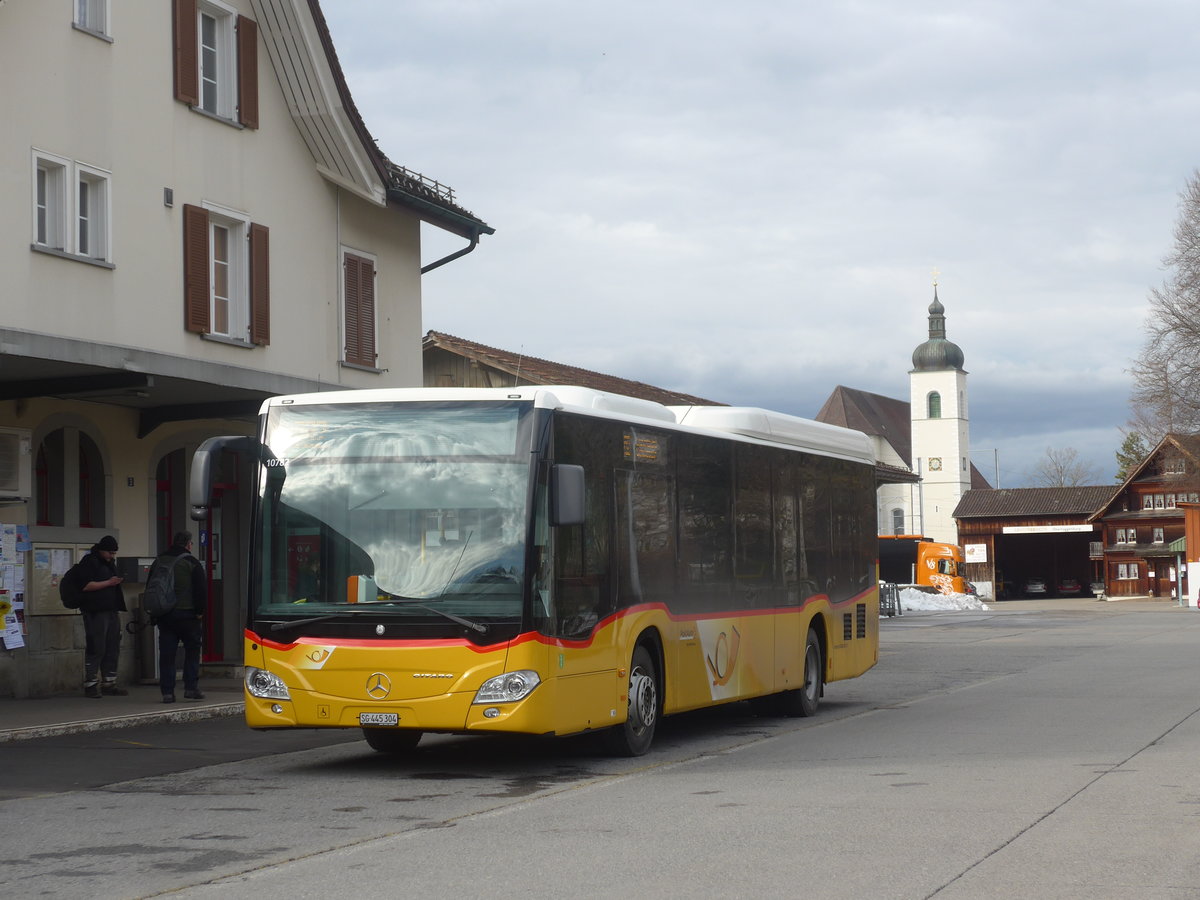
(453,256)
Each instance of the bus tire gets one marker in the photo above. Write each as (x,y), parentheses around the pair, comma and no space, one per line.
(392,740)
(636,734)
(804,701)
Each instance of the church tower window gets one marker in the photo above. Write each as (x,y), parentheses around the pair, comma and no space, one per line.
(934,404)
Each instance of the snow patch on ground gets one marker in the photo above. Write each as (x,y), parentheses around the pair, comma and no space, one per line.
(913,599)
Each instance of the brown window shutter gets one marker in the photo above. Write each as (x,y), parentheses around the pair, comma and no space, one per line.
(195,269)
(366,306)
(187,62)
(359,294)
(247,50)
(350,295)
(260,285)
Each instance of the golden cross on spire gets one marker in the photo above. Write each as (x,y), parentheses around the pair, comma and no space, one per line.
(936,273)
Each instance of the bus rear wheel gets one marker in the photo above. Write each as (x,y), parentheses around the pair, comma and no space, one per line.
(392,740)
(635,736)
(805,700)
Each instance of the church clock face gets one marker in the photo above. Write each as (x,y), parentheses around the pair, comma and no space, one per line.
(935,464)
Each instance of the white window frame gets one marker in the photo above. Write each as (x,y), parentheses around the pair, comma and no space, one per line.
(1120,538)
(218,75)
(1147,501)
(95,184)
(1156,535)
(92,16)
(238,225)
(58,205)
(50,200)
(1159,501)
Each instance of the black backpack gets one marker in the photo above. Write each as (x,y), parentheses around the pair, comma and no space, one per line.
(159,597)
(70,586)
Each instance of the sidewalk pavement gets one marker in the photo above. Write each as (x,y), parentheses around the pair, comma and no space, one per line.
(70,714)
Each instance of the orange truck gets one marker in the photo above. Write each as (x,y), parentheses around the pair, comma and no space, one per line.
(913,559)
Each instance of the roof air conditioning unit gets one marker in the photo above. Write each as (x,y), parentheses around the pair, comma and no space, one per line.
(16,463)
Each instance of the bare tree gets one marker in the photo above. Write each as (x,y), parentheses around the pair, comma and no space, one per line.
(1166,373)
(1064,468)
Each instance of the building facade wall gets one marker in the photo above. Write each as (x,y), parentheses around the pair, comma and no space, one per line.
(108,106)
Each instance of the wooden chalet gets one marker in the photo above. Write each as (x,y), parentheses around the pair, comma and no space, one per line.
(1143,523)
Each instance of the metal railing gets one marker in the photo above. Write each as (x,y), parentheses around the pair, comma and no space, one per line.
(889,599)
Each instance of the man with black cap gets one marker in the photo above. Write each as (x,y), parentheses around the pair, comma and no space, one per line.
(102,604)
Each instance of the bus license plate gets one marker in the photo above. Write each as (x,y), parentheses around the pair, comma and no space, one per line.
(378,718)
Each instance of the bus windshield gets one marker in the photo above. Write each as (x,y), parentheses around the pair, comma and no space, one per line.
(404,509)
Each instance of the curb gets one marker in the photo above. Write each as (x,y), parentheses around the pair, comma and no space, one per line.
(147,718)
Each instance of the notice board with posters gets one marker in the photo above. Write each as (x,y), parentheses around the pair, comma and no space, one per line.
(49,561)
(14,548)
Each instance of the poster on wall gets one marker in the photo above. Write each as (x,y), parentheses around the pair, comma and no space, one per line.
(975,553)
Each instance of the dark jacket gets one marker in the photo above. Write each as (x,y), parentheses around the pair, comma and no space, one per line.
(191,587)
(97,568)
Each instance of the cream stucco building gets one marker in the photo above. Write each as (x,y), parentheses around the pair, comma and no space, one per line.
(193,216)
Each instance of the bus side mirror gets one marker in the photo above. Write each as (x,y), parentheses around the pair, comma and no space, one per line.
(566,495)
(203,462)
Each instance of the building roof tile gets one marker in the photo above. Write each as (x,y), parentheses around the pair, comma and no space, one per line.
(532,370)
(1043,501)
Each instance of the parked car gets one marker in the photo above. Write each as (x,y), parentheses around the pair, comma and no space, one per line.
(1069,587)
(1035,587)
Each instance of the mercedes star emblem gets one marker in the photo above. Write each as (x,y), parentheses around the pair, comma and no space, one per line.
(378,686)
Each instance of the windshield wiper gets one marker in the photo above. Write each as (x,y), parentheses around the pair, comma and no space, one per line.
(279,626)
(466,623)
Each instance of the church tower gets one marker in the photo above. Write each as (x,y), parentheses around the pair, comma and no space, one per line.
(940,440)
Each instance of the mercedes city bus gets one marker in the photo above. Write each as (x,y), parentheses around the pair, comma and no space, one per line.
(546,560)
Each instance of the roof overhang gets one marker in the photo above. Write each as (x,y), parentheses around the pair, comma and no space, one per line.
(158,387)
(301,52)
(314,86)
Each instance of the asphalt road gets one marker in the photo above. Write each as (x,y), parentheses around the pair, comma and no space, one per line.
(1023,753)
(76,762)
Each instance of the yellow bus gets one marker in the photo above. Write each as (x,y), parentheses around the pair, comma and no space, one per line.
(546,560)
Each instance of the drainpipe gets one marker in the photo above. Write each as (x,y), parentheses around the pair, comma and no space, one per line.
(453,256)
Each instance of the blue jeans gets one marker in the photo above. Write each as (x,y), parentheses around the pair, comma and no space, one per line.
(174,628)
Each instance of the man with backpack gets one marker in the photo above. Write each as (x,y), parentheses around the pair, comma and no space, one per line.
(101,602)
(184,622)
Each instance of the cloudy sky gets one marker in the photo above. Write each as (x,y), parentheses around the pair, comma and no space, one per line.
(747,201)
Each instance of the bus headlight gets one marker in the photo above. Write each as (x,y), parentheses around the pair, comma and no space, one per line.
(261,683)
(507,688)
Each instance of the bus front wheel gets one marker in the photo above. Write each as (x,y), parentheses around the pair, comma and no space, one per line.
(634,737)
(805,700)
(391,740)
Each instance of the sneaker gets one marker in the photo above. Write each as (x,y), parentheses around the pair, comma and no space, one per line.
(92,690)
(168,698)
(193,695)
(113,689)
